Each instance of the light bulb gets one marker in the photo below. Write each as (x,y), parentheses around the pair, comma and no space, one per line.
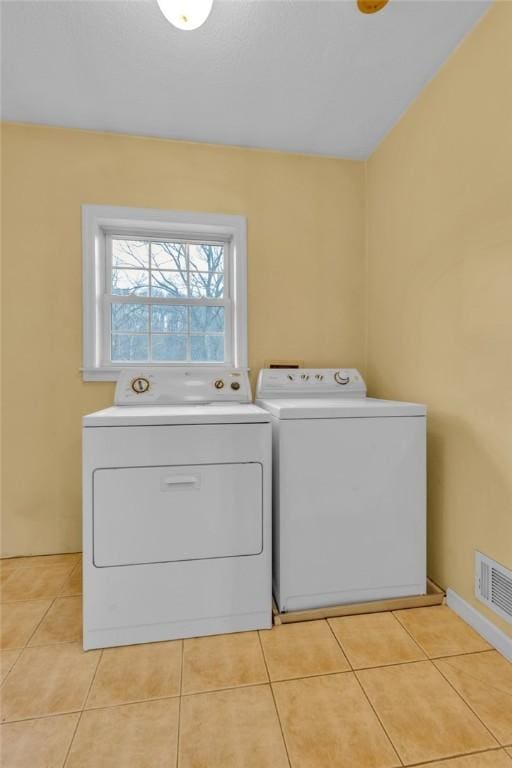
(186,14)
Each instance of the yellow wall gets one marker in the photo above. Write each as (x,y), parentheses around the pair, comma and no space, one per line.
(440,293)
(306,280)
(438,288)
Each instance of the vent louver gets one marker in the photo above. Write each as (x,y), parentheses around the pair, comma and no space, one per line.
(493,585)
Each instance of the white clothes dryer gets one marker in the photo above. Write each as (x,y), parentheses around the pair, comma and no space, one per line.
(176,509)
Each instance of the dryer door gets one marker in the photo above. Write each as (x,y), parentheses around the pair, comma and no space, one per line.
(164,514)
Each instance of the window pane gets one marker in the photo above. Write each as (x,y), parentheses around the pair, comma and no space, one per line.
(130,317)
(129,347)
(207,319)
(206,258)
(169,319)
(206,284)
(169,256)
(169,347)
(126,282)
(168,284)
(130,253)
(207,348)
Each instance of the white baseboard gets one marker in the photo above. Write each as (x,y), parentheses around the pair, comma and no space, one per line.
(493,634)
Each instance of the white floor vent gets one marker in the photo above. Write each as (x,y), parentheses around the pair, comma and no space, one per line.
(493,585)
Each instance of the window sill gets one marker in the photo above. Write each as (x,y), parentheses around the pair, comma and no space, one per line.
(108,373)
(100,374)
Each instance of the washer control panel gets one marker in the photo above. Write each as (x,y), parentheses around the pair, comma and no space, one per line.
(180,385)
(306,382)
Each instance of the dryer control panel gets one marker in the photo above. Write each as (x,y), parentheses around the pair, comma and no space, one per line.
(179,386)
(310,382)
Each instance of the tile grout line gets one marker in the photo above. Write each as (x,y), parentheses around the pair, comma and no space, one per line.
(94,709)
(277,680)
(353,672)
(218,690)
(445,656)
(41,717)
(82,710)
(40,598)
(245,685)
(459,754)
(42,645)
(406,629)
(25,566)
(468,674)
(468,705)
(68,750)
(43,617)
(137,701)
(30,557)
(281,728)
(56,642)
(413,639)
(37,599)
(179,704)
(21,565)
(452,758)
(84,707)
(459,696)
(338,641)
(45,614)
(497,748)
(11,669)
(258,685)
(395,748)
(17,569)
(464,653)
(231,687)
(79,564)
(23,648)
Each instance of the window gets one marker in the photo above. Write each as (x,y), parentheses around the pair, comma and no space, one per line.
(166,301)
(162,288)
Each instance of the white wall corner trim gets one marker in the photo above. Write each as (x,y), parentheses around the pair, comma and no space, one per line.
(489,631)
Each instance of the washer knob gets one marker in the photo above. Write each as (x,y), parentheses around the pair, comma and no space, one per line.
(340,379)
(219,384)
(235,385)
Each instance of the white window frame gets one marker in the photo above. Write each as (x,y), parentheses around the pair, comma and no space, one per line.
(100,222)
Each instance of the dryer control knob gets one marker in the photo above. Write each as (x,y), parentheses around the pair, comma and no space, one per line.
(235,385)
(340,379)
(218,384)
(140,385)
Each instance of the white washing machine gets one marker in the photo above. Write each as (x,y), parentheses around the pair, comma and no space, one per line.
(349,490)
(176,509)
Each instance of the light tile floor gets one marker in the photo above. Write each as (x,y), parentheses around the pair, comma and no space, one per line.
(414,687)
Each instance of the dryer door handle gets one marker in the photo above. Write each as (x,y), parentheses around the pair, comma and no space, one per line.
(181,480)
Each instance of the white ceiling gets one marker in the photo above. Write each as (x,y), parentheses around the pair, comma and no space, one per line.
(310,76)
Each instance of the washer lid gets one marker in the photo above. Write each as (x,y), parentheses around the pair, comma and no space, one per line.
(327,408)
(154,415)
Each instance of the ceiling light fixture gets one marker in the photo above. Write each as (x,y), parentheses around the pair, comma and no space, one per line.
(186,14)
(371,6)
